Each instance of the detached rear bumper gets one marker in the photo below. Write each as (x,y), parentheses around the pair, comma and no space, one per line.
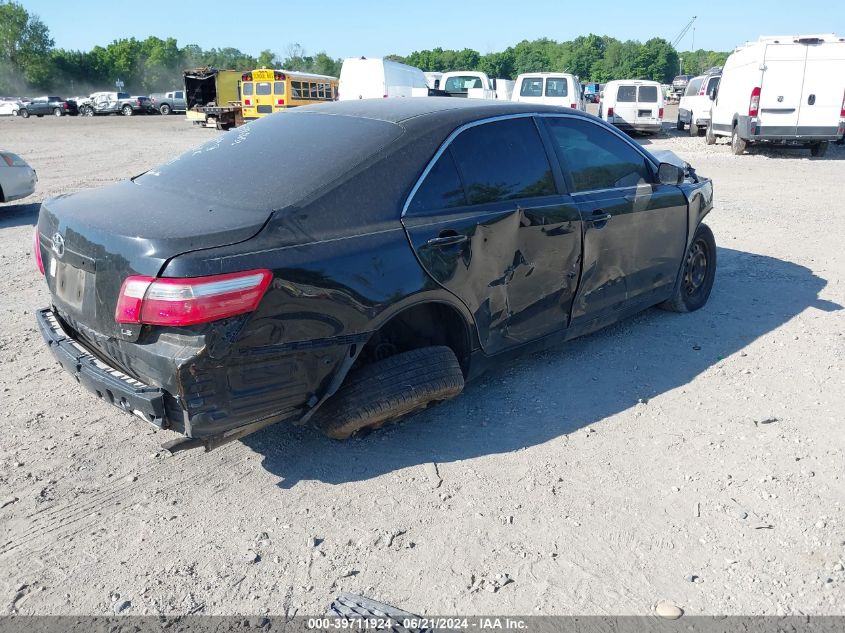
(105,381)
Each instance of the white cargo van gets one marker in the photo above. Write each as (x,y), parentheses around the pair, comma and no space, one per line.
(376,78)
(561,89)
(694,109)
(786,90)
(633,105)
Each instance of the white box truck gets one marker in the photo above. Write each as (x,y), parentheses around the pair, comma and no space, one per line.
(376,78)
(785,90)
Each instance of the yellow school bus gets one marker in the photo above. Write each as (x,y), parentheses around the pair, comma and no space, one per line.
(265,91)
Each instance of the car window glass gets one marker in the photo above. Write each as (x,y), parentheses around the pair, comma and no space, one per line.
(556,87)
(647,94)
(441,189)
(693,87)
(180,95)
(531,88)
(503,160)
(626,94)
(596,157)
(714,83)
(263,88)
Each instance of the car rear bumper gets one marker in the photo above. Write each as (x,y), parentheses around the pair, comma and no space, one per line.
(106,382)
(638,127)
(751,129)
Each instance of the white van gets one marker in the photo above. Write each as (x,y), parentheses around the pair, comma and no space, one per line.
(362,78)
(559,89)
(633,104)
(694,109)
(786,90)
(433,80)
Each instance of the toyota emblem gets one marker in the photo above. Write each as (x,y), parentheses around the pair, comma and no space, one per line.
(58,244)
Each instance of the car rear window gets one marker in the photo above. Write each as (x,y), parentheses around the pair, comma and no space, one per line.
(693,87)
(556,87)
(531,88)
(627,94)
(648,94)
(253,166)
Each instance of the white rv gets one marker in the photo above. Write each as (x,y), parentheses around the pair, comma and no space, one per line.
(786,90)
(633,105)
(561,89)
(376,78)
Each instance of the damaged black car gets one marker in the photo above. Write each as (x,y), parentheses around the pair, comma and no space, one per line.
(347,264)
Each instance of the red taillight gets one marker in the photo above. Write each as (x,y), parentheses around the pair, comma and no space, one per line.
(280,102)
(279,76)
(36,251)
(754,102)
(246,77)
(65,105)
(610,112)
(573,105)
(188,301)
(247,102)
(9,160)
(842,111)
(660,113)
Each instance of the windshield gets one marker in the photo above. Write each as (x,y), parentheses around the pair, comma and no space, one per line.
(462,83)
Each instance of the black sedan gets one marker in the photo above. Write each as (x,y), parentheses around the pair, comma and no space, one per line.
(347,264)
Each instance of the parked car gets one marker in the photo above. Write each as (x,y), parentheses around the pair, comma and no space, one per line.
(235,288)
(100,103)
(694,109)
(56,106)
(783,90)
(680,83)
(9,107)
(145,105)
(634,105)
(17,178)
(560,89)
(168,102)
(376,78)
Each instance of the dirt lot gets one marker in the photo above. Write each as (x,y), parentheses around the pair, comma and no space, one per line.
(694,458)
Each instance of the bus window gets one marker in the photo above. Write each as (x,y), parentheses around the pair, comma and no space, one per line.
(279,88)
(313,91)
(247,86)
(262,88)
(296,89)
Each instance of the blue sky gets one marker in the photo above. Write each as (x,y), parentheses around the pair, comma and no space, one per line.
(378,27)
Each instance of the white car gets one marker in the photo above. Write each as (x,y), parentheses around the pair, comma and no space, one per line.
(9,108)
(17,179)
(694,109)
(560,89)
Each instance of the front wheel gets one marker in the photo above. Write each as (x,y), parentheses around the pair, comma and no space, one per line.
(164,109)
(738,145)
(698,274)
(819,149)
(680,124)
(709,135)
(127,110)
(389,389)
(57,112)
(693,127)
(23,114)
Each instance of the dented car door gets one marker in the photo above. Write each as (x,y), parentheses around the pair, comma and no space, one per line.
(489,222)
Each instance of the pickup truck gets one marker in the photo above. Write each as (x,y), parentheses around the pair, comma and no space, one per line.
(168,102)
(47,105)
(114,103)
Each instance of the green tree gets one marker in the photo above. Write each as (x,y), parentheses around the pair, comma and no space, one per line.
(25,46)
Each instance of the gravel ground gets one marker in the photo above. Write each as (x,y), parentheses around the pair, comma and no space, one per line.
(690,458)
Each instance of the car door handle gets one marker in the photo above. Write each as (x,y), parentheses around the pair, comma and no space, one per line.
(599,217)
(444,239)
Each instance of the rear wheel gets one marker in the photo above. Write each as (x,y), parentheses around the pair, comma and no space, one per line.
(57,112)
(709,135)
(389,389)
(698,274)
(738,145)
(819,149)
(127,110)
(164,109)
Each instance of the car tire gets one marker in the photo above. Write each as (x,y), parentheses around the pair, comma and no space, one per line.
(738,145)
(693,128)
(710,135)
(127,110)
(57,112)
(680,124)
(698,274)
(23,114)
(389,389)
(164,109)
(818,150)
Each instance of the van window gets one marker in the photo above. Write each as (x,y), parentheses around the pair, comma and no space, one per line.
(595,157)
(462,83)
(531,88)
(247,86)
(503,160)
(556,87)
(647,94)
(626,94)
(263,88)
(441,189)
(693,87)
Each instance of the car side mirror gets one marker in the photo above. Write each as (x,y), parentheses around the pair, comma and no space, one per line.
(669,174)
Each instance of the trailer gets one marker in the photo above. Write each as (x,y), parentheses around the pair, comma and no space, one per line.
(213,97)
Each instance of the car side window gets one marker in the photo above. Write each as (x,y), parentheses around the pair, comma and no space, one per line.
(441,189)
(503,160)
(595,157)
